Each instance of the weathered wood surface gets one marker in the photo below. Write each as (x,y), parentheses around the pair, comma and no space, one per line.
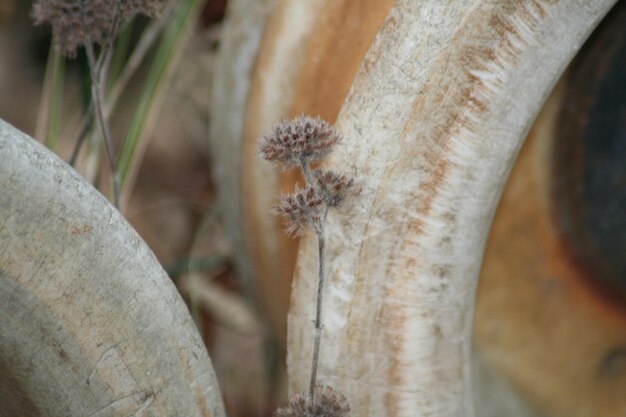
(90,323)
(432,125)
(542,319)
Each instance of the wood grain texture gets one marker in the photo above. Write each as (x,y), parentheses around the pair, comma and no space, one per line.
(432,125)
(91,324)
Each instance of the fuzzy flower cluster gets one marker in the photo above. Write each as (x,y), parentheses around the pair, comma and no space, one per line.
(76,22)
(335,187)
(326,404)
(300,142)
(303,208)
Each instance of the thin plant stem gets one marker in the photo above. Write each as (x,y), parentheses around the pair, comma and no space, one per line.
(306,170)
(96,93)
(146,42)
(105,51)
(318,313)
(320,232)
(102,66)
(82,136)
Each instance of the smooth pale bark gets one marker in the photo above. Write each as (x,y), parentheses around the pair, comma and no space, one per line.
(432,126)
(90,323)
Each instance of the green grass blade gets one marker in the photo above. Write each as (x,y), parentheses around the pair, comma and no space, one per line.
(167,56)
(55,122)
(50,107)
(120,52)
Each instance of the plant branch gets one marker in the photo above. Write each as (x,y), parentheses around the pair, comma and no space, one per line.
(300,142)
(318,313)
(106,52)
(320,232)
(306,171)
(147,40)
(96,93)
(84,131)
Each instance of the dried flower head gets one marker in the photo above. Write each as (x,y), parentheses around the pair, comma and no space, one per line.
(303,208)
(301,140)
(76,22)
(335,187)
(326,404)
(128,8)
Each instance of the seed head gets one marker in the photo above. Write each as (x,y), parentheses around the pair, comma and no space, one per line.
(326,404)
(303,208)
(335,187)
(301,140)
(76,22)
(128,8)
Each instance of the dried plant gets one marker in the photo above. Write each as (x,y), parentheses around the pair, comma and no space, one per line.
(301,209)
(335,187)
(326,404)
(129,8)
(75,22)
(299,143)
(83,22)
(88,23)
